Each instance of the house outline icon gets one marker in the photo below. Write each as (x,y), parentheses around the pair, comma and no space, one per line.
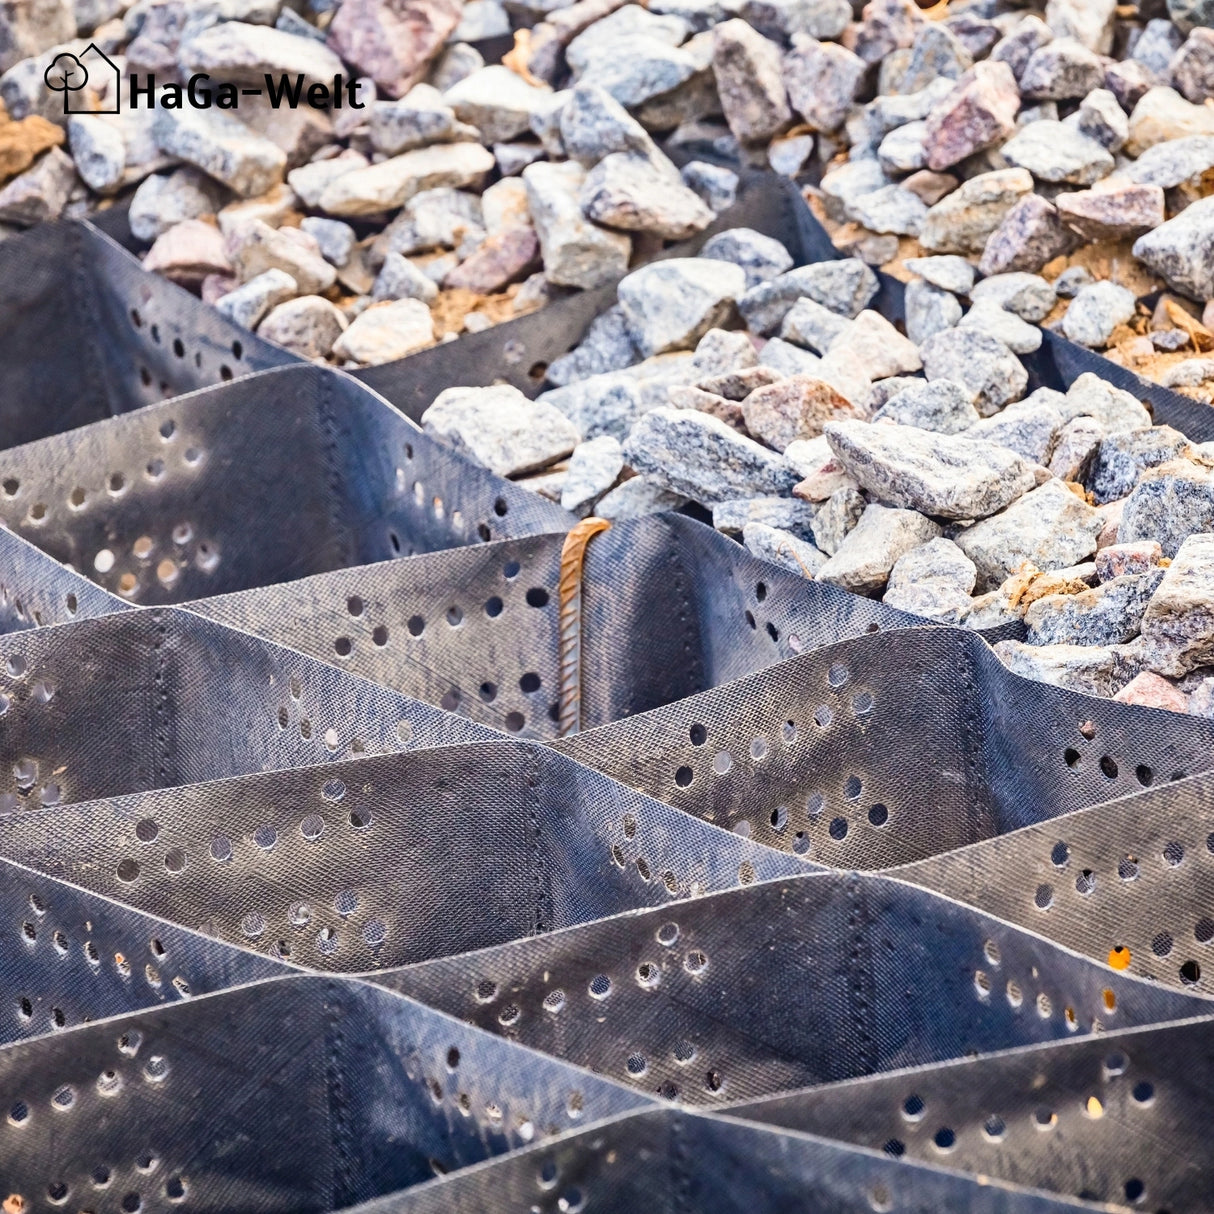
(95,71)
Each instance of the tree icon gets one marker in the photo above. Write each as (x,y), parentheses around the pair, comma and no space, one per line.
(66,74)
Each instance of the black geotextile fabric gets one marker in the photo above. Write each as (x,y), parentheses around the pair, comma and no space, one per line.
(306,906)
(86,333)
(266,479)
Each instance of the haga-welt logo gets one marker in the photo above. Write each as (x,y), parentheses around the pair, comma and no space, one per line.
(92,84)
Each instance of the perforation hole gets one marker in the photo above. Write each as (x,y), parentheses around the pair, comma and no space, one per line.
(600,986)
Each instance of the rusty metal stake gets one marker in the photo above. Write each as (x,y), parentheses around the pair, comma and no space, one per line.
(573,557)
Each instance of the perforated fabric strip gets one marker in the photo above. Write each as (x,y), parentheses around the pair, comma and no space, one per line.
(668,1162)
(152,699)
(271,478)
(669,606)
(883,749)
(1130,883)
(85,333)
(298,1094)
(70,956)
(1123,1117)
(783,984)
(491,841)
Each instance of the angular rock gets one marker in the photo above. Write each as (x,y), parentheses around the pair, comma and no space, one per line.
(936,53)
(948,272)
(1119,559)
(248,303)
(1053,151)
(836,517)
(434,219)
(1181,251)
(929,310)
(1116,410)
(873,546)
(399,278)
(188,252)
(607,346)
(1075,449)
(936,474)
(1096,311)
(700,457)
(747,69)
(1163,114)
(99,150)
(638,193)
(1051,527)
(873,346)
(637,497)
(941,406)
(1100,117)
(1090,669)
(962,221)
(497,101)
(1189,13)
(1019,336)
(1170,503)
(980,363)
(1113,212)
(979,112)
(716,185)
(786,513)
(849,183)
(1016,47)
(1030,234)
(794,408)
(844,286)
(1027,429)
(255,247)
(307,326)
(902,150)
(311,180)
(335,239)
(391,183)
(1188,373)
(669,305)
(1061,70)
(246,54)
(392,41)
(723,352)
(786,359)
(1029,296)
(738,385)
(576,252)
(1178,624)
(934,580)
(783,549)
(385,332)
(1151,691)
(499,428)
(1193,66)
(761,257)
(593,468)
(505,257)
(419,118)
(39,194)
(222,147)
(1124,457)
(809,324)
(822,79)
(890,209)
(593,124)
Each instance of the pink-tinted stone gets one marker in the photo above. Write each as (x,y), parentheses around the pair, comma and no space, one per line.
(505,257)
(392,41)
(1153,691)
(1114,212)
(822,79)
(1137,557)
(188,252)
(980,111)
(1029,235)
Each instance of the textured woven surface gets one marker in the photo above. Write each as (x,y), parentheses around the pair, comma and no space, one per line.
(304,905)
